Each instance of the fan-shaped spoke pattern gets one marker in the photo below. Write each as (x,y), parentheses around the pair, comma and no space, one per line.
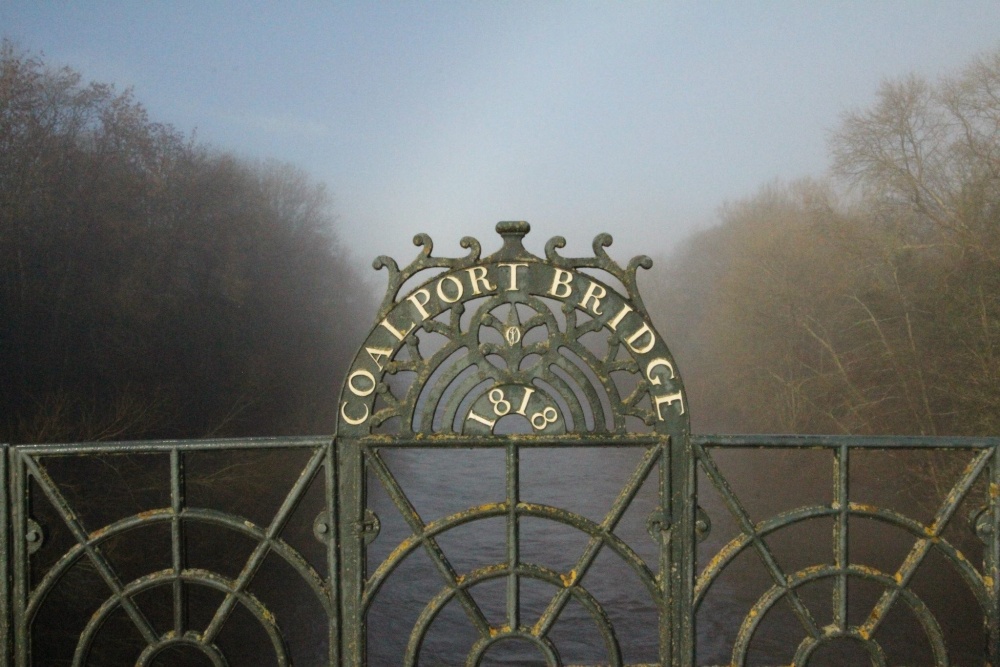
(895,587)
(178,582)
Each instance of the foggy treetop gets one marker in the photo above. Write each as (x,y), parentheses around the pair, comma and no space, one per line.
(445,117)
(872,307)
(152,286)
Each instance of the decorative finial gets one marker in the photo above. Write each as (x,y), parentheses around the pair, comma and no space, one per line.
(516,228)
(512,232)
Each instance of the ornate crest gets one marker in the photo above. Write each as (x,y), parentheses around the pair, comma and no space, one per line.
(512,343)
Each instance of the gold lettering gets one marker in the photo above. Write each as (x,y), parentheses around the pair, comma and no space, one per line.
(350,420)
(613,324)
(419,304)
(560,280)
(669,399)
(513,276)
(363,391)
(377,353)
(595,293)
(659,361)
(458,286)
(528,391)
(394,331)
(644,330)
(477,276)
(482,420)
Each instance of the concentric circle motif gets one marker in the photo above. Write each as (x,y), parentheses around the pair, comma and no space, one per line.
(549,349)
(178,582)
(564,585)
(895,586)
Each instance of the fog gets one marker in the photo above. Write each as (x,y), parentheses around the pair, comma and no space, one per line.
(445,118)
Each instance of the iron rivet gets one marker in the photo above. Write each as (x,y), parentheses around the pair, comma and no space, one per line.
(34,536)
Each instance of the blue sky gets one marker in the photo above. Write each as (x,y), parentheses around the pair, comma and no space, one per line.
(635,118)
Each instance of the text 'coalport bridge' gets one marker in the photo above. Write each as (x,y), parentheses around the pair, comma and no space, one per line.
(513,481)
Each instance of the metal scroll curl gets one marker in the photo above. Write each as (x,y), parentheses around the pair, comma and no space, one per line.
(512,336)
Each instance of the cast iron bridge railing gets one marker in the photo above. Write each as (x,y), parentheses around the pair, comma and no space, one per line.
(152,553)
(512,481)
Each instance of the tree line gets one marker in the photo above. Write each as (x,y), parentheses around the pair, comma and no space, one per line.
(867,301)
(151,286)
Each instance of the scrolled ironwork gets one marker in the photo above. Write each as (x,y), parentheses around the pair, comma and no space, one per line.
(511,318)
(545,347)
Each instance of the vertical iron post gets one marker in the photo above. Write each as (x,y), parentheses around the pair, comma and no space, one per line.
(991,566)
(5,571)
(333,551)
(351,491)
(682,550)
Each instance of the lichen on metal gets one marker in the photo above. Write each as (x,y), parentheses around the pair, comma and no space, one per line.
(510,350)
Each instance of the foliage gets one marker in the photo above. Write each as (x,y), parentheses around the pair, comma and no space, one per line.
(872,313)
(151,286)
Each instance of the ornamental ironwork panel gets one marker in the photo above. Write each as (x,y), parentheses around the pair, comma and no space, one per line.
(860,581)
(531,358)
(514,354)
(174,553)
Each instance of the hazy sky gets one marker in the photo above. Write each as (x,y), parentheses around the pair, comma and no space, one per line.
(635,118)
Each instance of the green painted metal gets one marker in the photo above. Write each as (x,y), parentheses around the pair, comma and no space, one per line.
(39,584)
(927,536)
(457,393)
(490,354)
(512,327)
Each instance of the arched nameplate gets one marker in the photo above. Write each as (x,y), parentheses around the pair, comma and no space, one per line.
(547,346)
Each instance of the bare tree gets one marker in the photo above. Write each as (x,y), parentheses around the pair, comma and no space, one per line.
(152,286)
(874,314)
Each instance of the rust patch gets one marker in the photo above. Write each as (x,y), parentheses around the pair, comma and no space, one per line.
(861,507)
(866,570)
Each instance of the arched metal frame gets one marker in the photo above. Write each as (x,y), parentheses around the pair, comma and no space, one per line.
(510,327)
